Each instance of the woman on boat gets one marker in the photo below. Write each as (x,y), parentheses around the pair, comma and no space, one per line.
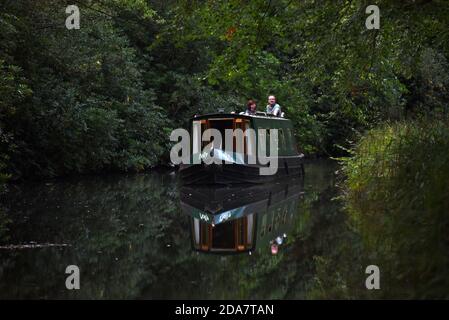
(251,107)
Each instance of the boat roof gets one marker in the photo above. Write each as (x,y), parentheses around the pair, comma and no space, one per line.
(216,115)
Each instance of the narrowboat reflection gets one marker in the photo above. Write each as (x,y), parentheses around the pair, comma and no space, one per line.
(241,218)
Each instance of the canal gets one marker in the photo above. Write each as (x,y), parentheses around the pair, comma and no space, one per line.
(133,236)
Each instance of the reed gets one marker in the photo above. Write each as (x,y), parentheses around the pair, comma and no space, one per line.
(396,193)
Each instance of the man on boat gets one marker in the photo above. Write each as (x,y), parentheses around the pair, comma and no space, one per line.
(250,108)
(272,107)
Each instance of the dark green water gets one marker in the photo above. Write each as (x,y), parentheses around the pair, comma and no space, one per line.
(131,239)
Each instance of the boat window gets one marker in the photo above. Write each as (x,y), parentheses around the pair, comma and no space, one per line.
(276,140)
(281,139)
(261,137)
(268,141)
(290,135)
(291,138)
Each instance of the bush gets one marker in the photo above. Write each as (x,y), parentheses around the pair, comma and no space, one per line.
(396,194)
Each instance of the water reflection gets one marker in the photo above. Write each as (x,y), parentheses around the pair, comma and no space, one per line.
(241,218)
(131,238)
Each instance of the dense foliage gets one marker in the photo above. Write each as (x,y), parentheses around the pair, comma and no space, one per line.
(105,97)
(396,195)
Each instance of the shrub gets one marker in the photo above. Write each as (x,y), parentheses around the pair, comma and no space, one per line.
(396,194)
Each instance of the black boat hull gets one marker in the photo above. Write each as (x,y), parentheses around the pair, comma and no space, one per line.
(240,173)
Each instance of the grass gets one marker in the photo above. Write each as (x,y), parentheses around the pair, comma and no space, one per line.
(396,193)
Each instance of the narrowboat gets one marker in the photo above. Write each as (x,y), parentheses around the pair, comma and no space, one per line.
(239,218)
(260,149)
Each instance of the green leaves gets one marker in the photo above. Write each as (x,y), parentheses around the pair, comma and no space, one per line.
(396,196)
(143,65)
(78,103)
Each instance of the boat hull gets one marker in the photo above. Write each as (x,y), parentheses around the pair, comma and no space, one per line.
(291,166)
